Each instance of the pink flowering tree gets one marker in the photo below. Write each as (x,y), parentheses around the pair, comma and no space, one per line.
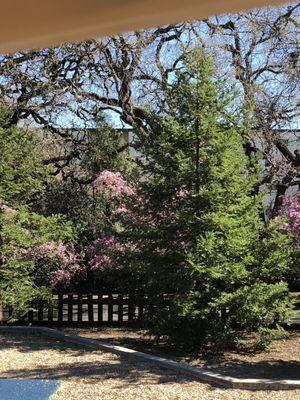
(56,264)
(114,191)
(113,185)
(291,210)
(117,194)
(130,211)
(106,254)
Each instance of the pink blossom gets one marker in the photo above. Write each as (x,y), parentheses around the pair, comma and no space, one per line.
(68,267)
(51,249)
(112,185)
(105,252)
(291,210)
(122,210)
(183,193)
(101,262)
(108,242)
(60,277)
(6,209)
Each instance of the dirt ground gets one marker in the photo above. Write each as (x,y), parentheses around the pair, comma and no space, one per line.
(95,375)
(281,361)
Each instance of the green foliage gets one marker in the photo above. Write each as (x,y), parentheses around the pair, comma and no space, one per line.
(22,230)
(18,290)
(22,175)
(104,148)
(78,204)
(212,249)
(294,271)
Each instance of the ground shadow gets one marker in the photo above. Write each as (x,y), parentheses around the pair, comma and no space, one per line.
(129,370)
(268,369)
(226,363)
(126,370)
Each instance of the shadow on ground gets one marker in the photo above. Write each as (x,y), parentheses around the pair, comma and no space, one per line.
(232,363)
(125,370)
(128,370)
(268,369)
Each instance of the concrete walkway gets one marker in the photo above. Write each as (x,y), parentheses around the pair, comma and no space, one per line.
(27,389)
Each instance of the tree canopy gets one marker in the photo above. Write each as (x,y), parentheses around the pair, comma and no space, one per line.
(161,163)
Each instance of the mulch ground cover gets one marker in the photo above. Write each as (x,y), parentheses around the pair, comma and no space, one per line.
(86,374)
(280,361)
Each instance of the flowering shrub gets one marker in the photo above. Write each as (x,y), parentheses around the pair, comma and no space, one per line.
(58,263)
(112,185)
(291,210)
(105,253)
(123,210)
(34,257)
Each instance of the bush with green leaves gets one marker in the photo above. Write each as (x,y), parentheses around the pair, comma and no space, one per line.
(31,252)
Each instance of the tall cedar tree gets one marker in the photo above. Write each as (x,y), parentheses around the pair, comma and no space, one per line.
(205,242)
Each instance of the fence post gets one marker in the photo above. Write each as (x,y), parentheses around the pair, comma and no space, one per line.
(130,309)
(90,308)
(140,310)
(110,308)
(70,307)
(50,311)
(60,308)
(100,309)
(30,316)
(79,308)
(120,308)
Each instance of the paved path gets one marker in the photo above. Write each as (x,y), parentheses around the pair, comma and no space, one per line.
(27,389)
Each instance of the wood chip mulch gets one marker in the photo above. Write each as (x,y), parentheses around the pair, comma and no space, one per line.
(280,361)
(95,375)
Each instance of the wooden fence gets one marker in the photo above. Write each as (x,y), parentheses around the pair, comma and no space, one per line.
(86,309)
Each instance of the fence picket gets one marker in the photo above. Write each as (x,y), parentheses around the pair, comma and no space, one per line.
(30,316)
(50,313)
(90,308)
(120,308)
(80,308)
(70,308)
(100,309)
(110,308)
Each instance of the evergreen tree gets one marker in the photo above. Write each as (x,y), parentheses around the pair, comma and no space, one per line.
(205,241)
(22,175)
